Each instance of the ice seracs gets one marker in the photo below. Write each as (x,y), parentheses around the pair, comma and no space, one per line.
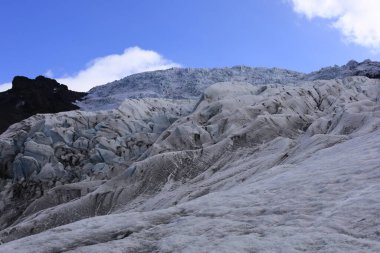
(191,82)
(177,83)
(50,149)
(366,68)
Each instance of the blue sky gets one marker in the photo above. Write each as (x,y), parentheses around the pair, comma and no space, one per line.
(61,38)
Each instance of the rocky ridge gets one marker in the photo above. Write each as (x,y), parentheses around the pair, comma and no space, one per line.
(31,96)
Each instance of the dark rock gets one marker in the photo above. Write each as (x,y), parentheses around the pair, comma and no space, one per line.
(31,96)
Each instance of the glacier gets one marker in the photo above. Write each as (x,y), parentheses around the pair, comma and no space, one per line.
(241,160)
(190,83)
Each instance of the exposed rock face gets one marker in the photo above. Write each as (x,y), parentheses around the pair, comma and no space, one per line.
(31,96)
(269,167)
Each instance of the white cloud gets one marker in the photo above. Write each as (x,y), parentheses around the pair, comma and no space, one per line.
(49,73)
(110,68)
(358,20)
(5,86)
(113,67)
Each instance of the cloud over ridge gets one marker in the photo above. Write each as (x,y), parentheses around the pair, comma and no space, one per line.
(5,86)
(112,67)
(357,20)
(116,66)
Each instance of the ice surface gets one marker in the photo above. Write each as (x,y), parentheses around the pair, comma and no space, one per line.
(248,168)
(327,202)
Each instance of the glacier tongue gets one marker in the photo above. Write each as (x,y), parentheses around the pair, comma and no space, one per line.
(266,168)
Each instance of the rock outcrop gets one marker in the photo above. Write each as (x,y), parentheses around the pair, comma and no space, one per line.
(31,96)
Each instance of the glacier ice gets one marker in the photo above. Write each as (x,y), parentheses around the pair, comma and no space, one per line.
(287,166)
